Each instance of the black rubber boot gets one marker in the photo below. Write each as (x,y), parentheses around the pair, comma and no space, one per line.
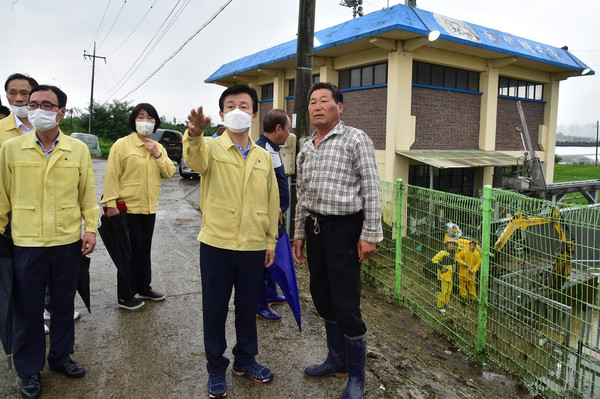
(357,360)
(336,363)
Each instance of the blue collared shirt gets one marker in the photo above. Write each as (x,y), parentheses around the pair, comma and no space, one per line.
(244,152)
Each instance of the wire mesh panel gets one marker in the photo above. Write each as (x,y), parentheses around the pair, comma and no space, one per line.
(379,270)
(527,296)
(543,293)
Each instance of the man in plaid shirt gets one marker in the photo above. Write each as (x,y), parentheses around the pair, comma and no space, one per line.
(338,215)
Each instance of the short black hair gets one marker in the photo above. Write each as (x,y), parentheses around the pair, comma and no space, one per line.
(60,95)
(32,82)
(237,90)
(149,109)
(4,110)
(335,92)
(220,125)
(273,118)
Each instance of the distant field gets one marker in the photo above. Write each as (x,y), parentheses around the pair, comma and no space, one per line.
(563,173)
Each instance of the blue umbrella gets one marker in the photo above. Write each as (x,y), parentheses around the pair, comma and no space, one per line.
(283,272)
(6,284)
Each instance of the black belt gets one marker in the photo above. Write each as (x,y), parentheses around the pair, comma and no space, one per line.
(317,217)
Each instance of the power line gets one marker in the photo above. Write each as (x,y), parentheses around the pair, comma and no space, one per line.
(134,29)
(100,24)
(179,49)
(113,24)
(145,52)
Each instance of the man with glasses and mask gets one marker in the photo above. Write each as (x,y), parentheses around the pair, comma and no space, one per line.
(240,208)
(17,87)
(47,183)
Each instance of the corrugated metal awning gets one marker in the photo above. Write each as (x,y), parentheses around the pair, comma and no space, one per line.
(460,159)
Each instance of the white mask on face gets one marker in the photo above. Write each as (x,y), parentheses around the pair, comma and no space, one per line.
(21,112)
(42,120)
(237,121)
(145,128)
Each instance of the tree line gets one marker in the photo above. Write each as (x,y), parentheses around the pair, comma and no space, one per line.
(110,121)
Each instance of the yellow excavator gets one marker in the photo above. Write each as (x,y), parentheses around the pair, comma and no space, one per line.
(562,265)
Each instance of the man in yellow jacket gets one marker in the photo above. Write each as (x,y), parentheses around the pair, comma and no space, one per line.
(468,260)
(17,87)
(47,182)
(240,207)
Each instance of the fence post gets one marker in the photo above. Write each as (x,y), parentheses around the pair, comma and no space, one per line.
(480,350)
(398,259)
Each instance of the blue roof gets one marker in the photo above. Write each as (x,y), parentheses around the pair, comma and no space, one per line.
(403,18)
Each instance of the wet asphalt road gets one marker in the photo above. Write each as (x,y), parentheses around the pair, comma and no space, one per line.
(157,351)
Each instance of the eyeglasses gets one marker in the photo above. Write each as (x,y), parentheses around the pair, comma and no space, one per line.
(44,106)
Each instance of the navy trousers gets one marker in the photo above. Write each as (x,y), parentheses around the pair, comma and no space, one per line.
(58,267)
(335,283)
(221,271)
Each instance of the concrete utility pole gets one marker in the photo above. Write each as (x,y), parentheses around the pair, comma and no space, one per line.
(93,57)
(304,62)
(597,130)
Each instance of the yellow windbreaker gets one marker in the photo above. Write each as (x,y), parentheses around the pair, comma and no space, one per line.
(472,259)
(47,198)
(133,175)
(8,128)
(239,198)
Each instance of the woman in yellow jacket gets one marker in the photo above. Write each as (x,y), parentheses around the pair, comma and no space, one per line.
(445,261)
(135,165)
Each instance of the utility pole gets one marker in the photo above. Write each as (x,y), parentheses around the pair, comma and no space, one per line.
(93,57)
(303,81)
(304,63)
(597,129)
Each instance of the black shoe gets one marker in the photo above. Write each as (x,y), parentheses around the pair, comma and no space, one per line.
(152,295)
(70,369)
(31,387)
(132,304)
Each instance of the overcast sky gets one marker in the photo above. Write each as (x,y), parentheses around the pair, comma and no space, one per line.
(47,39)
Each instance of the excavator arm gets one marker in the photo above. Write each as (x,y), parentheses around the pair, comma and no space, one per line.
(562,265)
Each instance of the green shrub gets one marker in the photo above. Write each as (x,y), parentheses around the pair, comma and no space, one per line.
(105,145)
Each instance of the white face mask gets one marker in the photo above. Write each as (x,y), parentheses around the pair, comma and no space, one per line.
(145,128)
(21,112)
(237,121)
(42,120)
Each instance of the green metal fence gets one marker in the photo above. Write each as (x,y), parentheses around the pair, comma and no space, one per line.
(535,310)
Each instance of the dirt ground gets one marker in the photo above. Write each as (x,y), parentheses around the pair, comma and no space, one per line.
(158,352)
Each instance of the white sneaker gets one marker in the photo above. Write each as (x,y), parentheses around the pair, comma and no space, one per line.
(76,315)
(46,329)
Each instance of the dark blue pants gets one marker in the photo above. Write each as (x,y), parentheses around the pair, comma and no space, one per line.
(141,230)
(34,268)
(221,271)
(335,283)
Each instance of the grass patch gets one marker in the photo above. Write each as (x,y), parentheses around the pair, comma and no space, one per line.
(564,173)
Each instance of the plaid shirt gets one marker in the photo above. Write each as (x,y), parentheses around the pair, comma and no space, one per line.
(339,177)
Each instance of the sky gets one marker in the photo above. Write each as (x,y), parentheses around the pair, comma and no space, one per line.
(47,39)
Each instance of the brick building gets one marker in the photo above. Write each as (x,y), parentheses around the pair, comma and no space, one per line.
(441,113)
